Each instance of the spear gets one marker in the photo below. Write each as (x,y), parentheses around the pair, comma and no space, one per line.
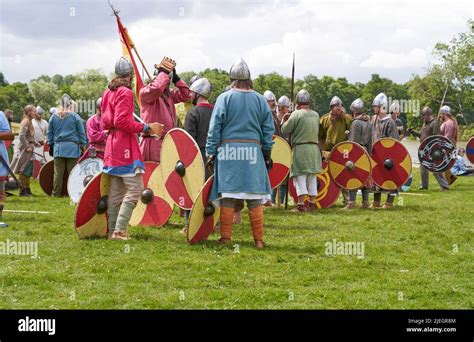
(289,138)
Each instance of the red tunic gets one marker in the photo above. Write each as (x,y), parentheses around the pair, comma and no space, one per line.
(157,105)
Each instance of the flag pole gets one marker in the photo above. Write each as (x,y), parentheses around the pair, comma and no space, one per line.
(289,138)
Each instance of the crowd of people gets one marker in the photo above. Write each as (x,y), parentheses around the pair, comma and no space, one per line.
(241,118)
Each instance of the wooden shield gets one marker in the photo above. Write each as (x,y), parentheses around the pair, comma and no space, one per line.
(182,167)
(349,165)
(281,156)
(391,164)
(328,191)
(437,153)
(90,218)
(37,165)
(46,176)
(155,206)
(80,175)
(201,220)
(470,150)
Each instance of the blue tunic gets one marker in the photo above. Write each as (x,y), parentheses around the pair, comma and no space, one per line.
(66,135)
(241,126)
(4,127)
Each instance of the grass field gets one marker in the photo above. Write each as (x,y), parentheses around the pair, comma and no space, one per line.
(418,255)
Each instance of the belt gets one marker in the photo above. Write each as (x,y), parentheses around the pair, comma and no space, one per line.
(241,141)
(305,143)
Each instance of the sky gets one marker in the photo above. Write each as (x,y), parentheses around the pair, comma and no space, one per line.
(340,38)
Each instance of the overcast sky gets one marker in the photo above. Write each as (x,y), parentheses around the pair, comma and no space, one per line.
(339,38)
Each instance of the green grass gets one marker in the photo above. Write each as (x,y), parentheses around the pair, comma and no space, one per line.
(410,260)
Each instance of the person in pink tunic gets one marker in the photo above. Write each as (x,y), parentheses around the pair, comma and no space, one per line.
(449,127)
(123,161)
(95,134)
(157,105)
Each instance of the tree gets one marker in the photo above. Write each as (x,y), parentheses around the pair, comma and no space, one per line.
(45,94)
(3,81)
(15,96)
(87,87)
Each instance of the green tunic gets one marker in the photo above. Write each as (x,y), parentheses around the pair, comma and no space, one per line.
(303,125)
(334,132)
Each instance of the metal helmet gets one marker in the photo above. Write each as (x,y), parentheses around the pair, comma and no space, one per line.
(202,87)
(123,67)
(445,110)
(395,107)
(426,111)
(98,103)
(357,106)
(380,101)
(284,101)
(39,110)
(66,101)
(335,101)
(269,96)
(239,71)
(302,97)
(194,79)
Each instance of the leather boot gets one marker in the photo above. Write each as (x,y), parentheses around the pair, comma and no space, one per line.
(227,221)
(256,222)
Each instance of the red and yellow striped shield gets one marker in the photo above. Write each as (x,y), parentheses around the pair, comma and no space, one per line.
(391,164)
(349,165)
(182,167)
(203,216)
(281,156)
(156,209)
(328,191)
(89,221)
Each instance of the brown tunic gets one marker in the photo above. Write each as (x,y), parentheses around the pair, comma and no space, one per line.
(22,157)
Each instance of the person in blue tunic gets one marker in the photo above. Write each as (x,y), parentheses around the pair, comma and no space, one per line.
(239,145)
(5,135)
(67,138)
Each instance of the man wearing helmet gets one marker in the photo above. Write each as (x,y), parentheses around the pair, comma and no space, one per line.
(333,128)
(158,105)
(303,125)
(361,133)
(41,126)
(383,126)
(272,103)
(430,127)
(123,161)
(241,120)
(183,108)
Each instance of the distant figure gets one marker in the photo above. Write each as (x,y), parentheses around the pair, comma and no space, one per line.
(67,138)
(460,168)
(9,143)
(303,126)
(5,135)
(22,163)
(95,134)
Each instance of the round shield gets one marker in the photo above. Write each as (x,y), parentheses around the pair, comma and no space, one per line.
(204,215)
(91,211)
(349,165)
(155,206)
(81,174)
(46,176)
(437,153)
(182,167)
(281,156)
(328,191)
(391,164)
(38,161)
(470,150)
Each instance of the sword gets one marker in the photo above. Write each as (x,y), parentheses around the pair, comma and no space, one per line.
(5,164)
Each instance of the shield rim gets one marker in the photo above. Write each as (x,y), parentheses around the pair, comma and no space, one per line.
(450,164)
(277,137)
(84,188)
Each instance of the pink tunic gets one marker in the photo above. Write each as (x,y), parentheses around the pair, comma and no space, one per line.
(158,106)
(122,153)
(448,130)
(96,136)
